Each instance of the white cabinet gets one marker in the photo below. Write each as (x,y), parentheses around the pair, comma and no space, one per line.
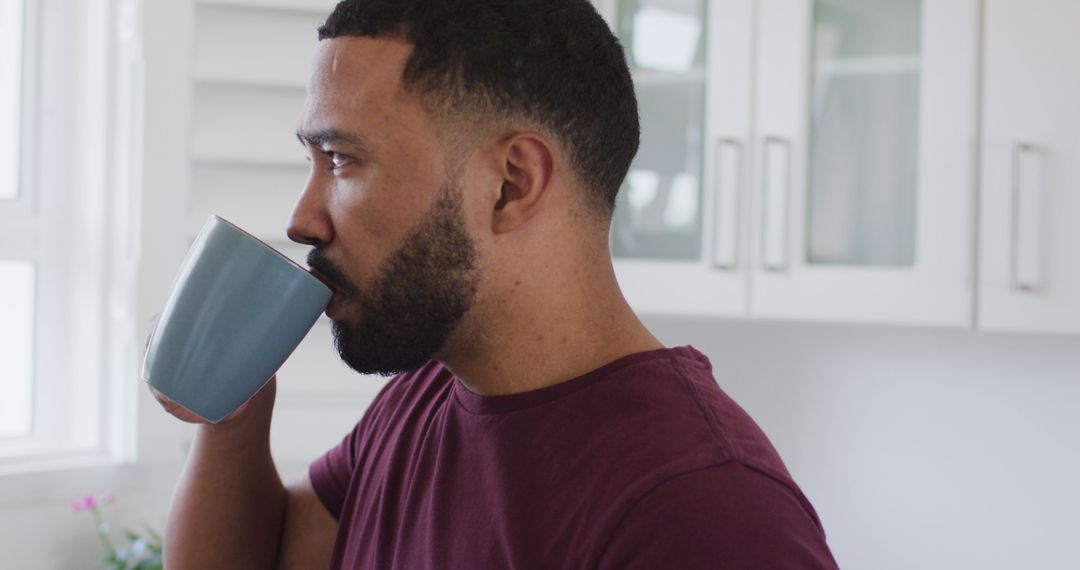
(831,173)
(866,137)
(676,237)
(1030,209)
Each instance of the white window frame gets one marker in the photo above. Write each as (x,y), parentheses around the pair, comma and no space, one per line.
(14,234)
(13,211)
(75,216)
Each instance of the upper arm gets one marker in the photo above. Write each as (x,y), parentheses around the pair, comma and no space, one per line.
(307,536)
(727,516)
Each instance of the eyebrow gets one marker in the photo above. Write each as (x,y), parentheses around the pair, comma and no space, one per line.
(324,136)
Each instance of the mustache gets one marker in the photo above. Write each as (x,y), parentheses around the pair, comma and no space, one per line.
(329,271)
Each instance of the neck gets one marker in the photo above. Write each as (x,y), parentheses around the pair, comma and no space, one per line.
(546,329)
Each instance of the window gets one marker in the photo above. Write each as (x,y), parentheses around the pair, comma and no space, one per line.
(16,275)
(16,348)
(59,292)
(11,39)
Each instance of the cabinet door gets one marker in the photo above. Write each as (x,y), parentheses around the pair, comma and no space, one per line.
(1030,207)
(866,137)
(676,234)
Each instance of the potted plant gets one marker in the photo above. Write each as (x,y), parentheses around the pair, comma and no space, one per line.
(140,552)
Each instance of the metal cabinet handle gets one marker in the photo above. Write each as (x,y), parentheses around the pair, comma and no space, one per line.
(775,182)
(1024,249)
(726,215)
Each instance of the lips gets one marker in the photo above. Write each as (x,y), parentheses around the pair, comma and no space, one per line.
(325,280)
(334,307)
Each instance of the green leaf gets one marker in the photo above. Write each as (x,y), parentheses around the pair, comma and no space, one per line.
(154,536)
(151,563)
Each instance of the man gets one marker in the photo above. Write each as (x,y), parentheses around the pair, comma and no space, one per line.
(465,157)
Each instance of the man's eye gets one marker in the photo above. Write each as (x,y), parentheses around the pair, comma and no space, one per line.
(337,160)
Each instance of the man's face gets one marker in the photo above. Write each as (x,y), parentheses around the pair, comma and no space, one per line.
(382,211)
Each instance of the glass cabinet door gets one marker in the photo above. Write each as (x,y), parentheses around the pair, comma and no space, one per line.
(658,213)
(865,136)
(678,238)
(821,168)
(864,130)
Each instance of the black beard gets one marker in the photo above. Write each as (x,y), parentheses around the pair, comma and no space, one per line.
(419,296)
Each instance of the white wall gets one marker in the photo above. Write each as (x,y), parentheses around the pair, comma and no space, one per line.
(919,448)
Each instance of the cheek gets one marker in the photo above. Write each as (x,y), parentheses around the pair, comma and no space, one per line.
(480,194)
(477,221)
(372,213)
(361,228)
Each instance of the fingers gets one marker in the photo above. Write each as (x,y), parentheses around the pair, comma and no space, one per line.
(260,404)
(175,409)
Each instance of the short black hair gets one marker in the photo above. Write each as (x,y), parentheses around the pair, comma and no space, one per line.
(552,63)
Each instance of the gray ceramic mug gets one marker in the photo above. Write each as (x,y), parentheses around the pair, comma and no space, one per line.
(237,310)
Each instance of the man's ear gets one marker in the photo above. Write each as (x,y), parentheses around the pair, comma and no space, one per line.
(528,164)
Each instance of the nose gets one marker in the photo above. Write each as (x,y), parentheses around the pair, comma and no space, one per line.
(310,222)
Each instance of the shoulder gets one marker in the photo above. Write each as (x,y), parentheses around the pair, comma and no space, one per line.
(730,513)
(687,413)
(728,422)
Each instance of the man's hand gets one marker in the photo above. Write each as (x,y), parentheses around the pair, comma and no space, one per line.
(229,507)
(262,402)
(260,405)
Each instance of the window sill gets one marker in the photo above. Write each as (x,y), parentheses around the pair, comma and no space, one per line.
(62,479)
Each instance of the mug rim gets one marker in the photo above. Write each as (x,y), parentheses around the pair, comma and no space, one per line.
(271,248)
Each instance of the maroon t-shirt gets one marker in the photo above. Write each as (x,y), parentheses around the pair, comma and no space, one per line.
(642,463)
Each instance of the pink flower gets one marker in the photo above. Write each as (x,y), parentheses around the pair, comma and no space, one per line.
(88,502)
(83,503)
